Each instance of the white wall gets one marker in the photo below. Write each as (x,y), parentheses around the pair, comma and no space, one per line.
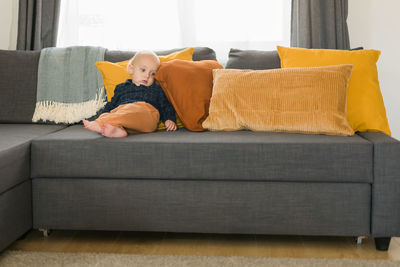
(8,24)
(375,24)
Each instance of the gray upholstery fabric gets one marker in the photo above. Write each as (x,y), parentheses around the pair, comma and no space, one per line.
(241,155)
(15,213)
(15,151)
(37,24)
(18,81)
(253,59)
(386,186)
(203,53)
(319,24)
(200,53)
(202,206)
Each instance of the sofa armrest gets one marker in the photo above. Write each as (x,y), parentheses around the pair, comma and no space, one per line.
(385,218)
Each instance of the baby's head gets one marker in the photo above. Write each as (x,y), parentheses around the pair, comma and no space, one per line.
(142,67)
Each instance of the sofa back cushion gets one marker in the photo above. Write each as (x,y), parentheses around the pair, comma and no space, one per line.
(18,81)
(253,59)
(200,53)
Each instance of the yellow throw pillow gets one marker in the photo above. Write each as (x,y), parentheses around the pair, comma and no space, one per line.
(299,100)
(116,73)
(365,107)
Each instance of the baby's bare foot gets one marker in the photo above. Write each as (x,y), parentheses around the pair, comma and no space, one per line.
(92,126)
(113,131)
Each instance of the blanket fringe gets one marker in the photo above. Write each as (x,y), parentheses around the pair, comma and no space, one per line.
(69,112)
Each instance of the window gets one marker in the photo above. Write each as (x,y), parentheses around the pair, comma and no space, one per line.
(167,24)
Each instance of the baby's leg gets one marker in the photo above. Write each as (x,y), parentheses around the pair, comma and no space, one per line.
(133,117)
(92,126)
(109,130)
(139,117)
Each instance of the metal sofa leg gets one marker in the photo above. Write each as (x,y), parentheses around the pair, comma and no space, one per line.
(46,232)
(359,239)
(382,243)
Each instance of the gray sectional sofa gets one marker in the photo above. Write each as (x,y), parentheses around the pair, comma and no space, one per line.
(65,177)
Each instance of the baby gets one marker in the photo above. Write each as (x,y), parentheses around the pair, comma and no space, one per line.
(138,104)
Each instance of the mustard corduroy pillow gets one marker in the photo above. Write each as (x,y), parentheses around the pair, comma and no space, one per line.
(299,100)
(365,107)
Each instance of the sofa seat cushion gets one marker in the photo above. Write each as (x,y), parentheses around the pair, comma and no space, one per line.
(15,140)
(240,155)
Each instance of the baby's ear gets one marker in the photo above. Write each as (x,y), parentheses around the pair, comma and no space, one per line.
(129,68)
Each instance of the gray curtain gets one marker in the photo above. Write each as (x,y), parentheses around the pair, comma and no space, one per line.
(319,24)
(37,24)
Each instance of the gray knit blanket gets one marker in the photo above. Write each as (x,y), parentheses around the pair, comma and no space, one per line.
(70,87)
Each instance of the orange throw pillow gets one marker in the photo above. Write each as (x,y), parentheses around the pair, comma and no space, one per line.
(188,86)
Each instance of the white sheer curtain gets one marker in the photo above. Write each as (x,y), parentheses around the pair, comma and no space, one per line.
(166,24)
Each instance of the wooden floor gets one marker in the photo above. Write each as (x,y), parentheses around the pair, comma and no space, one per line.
(205,244)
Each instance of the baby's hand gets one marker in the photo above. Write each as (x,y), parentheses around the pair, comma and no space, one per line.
(170,125)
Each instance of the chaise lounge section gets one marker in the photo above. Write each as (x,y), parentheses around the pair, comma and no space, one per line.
(15,182)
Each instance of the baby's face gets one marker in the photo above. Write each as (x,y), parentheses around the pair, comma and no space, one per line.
(143,70)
